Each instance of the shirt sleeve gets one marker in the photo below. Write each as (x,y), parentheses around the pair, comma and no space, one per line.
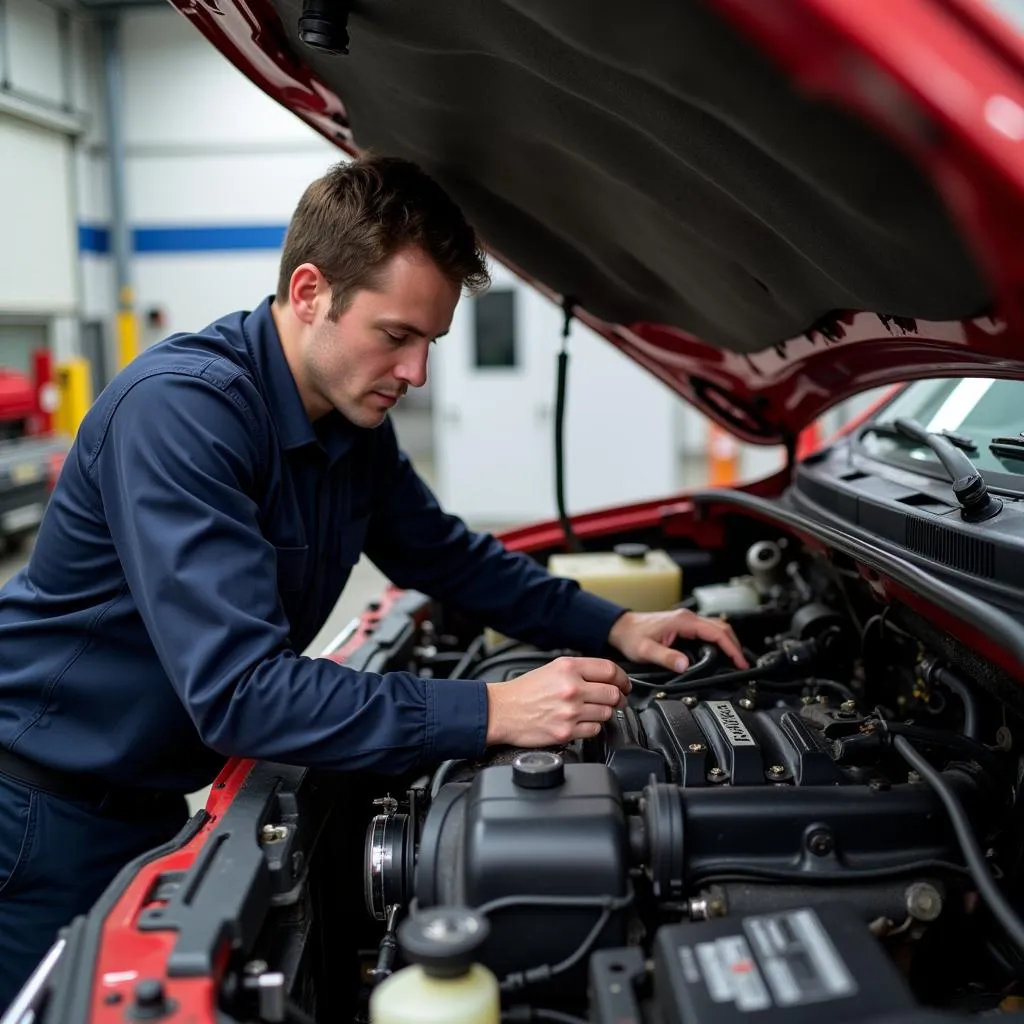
(417,545)
(177,472)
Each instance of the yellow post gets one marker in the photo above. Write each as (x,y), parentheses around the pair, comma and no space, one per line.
(127,329)
(74,385)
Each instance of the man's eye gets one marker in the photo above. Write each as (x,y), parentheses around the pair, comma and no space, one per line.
(396,339)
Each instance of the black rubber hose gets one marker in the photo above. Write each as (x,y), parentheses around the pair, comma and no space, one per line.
(990,892)
(706,658)
(951,741)
(681,684)
(953,682)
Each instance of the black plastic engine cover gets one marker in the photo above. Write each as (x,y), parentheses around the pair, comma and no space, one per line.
(715,741)
(495,838)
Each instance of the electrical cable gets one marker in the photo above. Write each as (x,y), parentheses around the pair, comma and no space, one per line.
(609,903)
(521,979)
(990,893)
(444,769)
(471,655)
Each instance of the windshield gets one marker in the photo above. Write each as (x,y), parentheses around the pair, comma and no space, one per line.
(976,408)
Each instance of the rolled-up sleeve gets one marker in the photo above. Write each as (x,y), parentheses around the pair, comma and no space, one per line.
(177,470)
(419,546)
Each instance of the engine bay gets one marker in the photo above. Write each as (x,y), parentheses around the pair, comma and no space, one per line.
(724,795)
(833,832)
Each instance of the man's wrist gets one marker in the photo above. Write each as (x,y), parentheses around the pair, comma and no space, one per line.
(495,714)
(620,627)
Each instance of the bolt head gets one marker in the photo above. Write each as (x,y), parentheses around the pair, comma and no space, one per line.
(747,704)
(690,701)
(697,748)
(273,833)
(717,773)
(924,902)
(777,769)
(820,843)
(848,705)
(660,695)
(806,700)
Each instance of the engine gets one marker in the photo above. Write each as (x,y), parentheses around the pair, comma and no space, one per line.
(716,794)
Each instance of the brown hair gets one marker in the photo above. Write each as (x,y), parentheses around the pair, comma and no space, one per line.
(350,222)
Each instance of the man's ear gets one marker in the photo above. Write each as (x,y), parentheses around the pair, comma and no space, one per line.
(306,290)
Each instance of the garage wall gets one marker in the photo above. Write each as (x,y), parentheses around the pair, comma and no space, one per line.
(42,118)
(214,170)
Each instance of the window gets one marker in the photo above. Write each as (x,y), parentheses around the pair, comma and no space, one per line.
(980,410)
(495,330)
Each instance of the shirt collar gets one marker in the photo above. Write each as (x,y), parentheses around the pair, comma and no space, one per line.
(333,433)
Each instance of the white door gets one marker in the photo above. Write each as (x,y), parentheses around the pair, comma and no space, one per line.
(493,394)
(494,381)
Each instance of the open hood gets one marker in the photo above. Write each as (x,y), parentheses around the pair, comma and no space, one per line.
(770,204)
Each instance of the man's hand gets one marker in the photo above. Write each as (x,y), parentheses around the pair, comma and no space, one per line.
(647,637)
(568,699)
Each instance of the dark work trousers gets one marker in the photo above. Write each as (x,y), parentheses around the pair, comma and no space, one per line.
(57,855)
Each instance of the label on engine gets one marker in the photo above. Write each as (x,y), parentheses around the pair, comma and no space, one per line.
(730,973)
(798,958)
(732,725)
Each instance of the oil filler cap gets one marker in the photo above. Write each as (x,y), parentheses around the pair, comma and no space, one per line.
(538,769)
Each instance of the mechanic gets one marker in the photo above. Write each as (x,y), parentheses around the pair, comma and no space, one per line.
(216,498)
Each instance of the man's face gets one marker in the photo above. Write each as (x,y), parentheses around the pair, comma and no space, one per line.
(362,363)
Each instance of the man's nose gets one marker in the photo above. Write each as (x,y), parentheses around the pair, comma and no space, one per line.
(412,370)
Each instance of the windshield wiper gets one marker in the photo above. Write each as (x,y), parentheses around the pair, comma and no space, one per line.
(969,487)
(1007,447)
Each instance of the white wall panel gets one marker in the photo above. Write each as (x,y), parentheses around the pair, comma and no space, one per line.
(222,189)
(37,258)
(34,50)
(192,289)
(179,90)
(97,277)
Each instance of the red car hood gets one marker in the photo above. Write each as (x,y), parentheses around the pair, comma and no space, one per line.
(770,204)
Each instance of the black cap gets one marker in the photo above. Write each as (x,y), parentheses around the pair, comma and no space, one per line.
(443,941)
(323,25)
(538,769)
(632,550)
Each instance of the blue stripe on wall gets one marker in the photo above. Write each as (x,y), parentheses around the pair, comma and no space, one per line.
(227,238)
(93,239)
(208,239)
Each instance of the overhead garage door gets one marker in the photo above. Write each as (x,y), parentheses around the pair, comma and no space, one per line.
(38,243)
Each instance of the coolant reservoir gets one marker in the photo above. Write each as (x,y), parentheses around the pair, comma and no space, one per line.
(443,985)
(631,575)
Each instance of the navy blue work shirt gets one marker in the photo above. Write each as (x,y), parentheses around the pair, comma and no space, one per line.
(199,535)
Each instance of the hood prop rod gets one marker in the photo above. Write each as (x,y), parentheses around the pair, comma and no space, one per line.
(572,542)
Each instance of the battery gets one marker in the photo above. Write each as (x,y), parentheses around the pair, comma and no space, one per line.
(797,966)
